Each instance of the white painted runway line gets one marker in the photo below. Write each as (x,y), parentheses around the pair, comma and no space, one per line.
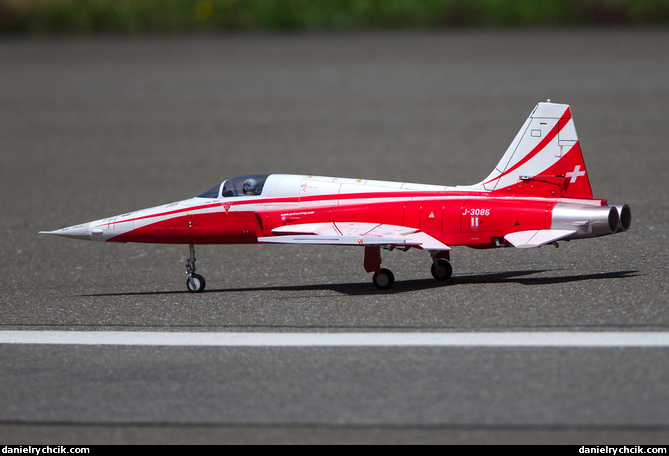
(358,339)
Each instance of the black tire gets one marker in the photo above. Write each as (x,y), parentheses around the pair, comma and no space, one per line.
(383,280)
(442,270)
(196,283)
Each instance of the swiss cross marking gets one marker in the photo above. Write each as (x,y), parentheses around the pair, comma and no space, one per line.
(575,174)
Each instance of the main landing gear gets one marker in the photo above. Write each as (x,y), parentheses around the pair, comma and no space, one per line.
(195,282)
(383,279)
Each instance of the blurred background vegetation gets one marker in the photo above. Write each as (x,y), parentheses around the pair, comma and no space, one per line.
(59,17)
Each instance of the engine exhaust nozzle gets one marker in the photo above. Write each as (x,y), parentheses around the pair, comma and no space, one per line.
(624,217)
(588,221)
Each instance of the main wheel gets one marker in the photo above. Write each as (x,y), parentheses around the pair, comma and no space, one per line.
(442,270)
(384,279)
(195,283)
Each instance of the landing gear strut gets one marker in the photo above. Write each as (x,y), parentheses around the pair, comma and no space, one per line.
(195,282)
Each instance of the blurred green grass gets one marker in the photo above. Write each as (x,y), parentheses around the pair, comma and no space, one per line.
(48,17)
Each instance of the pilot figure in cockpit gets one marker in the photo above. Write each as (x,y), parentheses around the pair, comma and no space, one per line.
(250,187)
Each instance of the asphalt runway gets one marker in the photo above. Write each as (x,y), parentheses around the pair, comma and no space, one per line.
(91,128)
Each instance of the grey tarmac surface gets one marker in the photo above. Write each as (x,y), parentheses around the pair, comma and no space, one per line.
(97,127)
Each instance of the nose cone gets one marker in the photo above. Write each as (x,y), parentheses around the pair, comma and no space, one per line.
(82,231)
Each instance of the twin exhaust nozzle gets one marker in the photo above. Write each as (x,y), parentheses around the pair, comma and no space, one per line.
(624,217)
(591,221)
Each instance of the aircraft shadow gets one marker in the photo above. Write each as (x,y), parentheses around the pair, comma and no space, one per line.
(403,286)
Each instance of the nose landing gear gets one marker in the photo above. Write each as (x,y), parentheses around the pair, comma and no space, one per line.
(195,282)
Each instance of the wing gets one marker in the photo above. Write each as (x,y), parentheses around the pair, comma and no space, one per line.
(536,238)
(345,233)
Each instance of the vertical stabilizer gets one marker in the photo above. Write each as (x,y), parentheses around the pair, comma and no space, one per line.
(544,158)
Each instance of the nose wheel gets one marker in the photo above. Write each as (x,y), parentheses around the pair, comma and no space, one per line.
(195,282)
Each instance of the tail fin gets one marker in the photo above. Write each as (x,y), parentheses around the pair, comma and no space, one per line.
(544,159)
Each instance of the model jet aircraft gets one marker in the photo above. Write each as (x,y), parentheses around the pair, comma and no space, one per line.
(539,193)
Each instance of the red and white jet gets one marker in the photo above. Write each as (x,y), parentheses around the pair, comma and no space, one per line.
(539,193)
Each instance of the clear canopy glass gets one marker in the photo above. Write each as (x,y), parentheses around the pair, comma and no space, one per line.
(250,185)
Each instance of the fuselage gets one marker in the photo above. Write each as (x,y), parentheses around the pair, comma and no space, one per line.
(452,215)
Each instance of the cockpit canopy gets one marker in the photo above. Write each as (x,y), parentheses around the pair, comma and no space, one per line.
(250,185)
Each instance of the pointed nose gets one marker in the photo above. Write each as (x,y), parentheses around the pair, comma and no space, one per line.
(82,231)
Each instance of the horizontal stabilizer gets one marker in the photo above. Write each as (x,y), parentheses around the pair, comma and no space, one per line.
(536,238)
(344,233)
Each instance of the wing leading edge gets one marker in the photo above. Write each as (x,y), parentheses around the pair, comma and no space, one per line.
(344,233)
